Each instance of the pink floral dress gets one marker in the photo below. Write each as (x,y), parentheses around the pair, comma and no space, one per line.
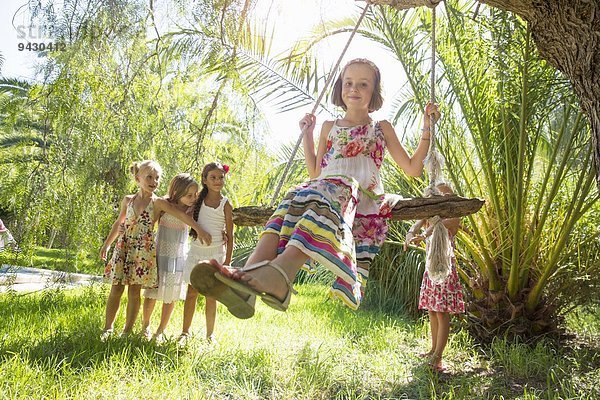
(446,296)
(339,218)
(134,258)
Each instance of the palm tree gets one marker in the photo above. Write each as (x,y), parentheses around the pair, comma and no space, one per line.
(512,133)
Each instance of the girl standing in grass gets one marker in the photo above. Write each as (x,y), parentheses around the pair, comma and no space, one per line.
(133,263)
(443,296)
(171,252)
(214,213)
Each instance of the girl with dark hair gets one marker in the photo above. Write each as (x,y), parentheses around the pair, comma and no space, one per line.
(214,213)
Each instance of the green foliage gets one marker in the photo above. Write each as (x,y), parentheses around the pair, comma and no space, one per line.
(532,164)
(50,347)
(111,99)
(55,259)
(395,279)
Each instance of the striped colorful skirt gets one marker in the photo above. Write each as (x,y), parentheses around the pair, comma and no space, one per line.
(320,219)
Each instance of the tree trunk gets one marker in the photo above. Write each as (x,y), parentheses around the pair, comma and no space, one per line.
(51,238)
(567,35)
(405,209)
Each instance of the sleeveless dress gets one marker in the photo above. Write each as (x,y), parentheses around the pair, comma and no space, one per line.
(212,220)
(340,218)
(444,297)
(134,257)
(171,252)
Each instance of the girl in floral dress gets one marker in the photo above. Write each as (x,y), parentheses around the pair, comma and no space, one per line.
(441,299)
(133,263)
(338,218)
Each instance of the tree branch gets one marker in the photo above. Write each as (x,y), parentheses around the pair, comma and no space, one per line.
(523,8)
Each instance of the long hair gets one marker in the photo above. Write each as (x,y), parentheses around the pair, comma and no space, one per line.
(179,186)
(438,261)
(205,171)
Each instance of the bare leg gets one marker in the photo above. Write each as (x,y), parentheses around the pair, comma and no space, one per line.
(189,308)
(267,279)
(133,306)
(443,332)
(266,249)
(165,316)
(210,311)
(112,306)
(433,327)
(147,310)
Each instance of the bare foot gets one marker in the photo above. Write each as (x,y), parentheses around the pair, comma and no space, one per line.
(435,363)
(426,355)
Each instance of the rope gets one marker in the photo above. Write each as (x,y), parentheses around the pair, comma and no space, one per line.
(434,160)
(439,255)
(317,103)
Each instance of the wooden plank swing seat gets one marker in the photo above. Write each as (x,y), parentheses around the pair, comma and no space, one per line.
(407,208)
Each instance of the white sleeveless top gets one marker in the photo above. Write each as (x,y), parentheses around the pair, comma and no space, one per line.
(212,220)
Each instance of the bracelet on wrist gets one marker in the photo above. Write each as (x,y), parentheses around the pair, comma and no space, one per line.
(425,129)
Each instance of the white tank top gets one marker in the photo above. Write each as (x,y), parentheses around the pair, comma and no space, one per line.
(212,220)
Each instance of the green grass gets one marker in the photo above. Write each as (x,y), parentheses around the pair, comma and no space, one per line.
(54,259)
(50,348)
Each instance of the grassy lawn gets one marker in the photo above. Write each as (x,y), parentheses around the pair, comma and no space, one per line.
(50,348)
(55,259)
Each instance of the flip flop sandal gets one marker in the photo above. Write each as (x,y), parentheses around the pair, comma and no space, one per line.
(268,299)
(202,278)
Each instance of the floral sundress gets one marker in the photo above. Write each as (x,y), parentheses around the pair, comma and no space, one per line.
(340,218)
(446,296)
(134,257)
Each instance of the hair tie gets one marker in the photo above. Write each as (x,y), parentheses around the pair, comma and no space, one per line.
(226,168)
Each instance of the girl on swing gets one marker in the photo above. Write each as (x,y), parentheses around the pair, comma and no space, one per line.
(337,218)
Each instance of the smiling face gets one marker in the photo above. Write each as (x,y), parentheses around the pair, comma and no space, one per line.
(148,179)
(214,180)
(356,74)
(358,83)
(189,198)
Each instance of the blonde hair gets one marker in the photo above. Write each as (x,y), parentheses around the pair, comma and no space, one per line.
(376,98)
(179,186)
(137,167)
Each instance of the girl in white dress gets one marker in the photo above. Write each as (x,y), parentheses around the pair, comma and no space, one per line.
(214,213)
(171,252)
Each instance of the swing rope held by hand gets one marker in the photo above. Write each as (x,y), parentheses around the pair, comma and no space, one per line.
(316,105)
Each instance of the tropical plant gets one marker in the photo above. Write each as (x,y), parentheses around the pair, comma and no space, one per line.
(513,134)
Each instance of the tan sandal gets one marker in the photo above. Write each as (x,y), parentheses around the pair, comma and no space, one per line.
(268,299)
(202,278)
